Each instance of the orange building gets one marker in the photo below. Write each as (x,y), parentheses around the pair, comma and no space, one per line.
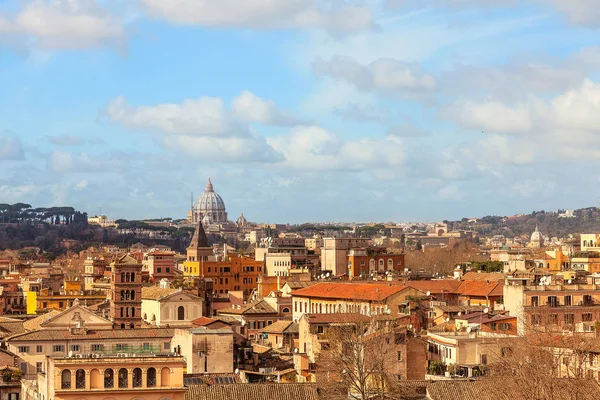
(160,264)
(365,261)
(235,272)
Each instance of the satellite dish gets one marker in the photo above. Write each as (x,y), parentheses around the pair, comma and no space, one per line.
(327,276)
(237,371)
(569,281)
(296,350)
(468,329)
(428,293)
(459,313)
(410,326)
(447,319)
(388,311)
(70,353)
(486,310)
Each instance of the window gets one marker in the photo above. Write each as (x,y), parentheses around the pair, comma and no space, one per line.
(58,348)
(14,396)
(97,347)
(399,356)
(484,359)
(109,378)
(168,270)
(493,326)
(65,379)
(75,347)
(536,319)
(151,377)
(158,270)
(552,301)
(39,367)
(569,319)
(123,378)
(553,319)
(586,317)
(146,346)
(23,349)
(180,313)
(568,300)
(137,377)
(122,347)
(80,379)
(587,300)
(535,301)
(166,345)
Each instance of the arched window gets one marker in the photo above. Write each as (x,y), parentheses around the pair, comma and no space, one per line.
(65,379)
(126,276)
(381,263)
(123,378)
(95,381)
(133,311)
(127,295)
(180,313)
(109,378)
(585,243)
(131,326)
(132,295)
(122,295)
(145,317)
(137,377)
(165,377)
(133,277)
(80,379)
(285,310)
(122,276)
(122,326)
(153,318)
(151,377)
(122,313)
(390,264)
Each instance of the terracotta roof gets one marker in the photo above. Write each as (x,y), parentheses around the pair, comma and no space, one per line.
(281,326)
(294,285)
(337,318)
(349,291)
(35,323)
(205,321)
(253,391)
(51,335)
(478,288)
(210,379)
(484,276)
(436,286)
(262,307)
(156,292)
(511,389)
(10,326)
(462,309)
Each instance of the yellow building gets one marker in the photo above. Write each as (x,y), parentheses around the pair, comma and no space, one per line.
(148,377)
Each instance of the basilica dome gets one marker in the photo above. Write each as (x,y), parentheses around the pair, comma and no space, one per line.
(210,207)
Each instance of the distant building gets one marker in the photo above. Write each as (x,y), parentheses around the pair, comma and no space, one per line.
(126,293)
(334,253)
(209,208)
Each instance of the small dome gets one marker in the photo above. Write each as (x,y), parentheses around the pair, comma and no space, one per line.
(536,236)
(241,221)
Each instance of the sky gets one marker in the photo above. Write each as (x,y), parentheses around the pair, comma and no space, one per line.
(301,110)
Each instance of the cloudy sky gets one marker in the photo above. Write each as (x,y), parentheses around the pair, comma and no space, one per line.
(301,110)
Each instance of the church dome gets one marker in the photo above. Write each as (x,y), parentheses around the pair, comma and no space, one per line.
(536,236)
(209,201)
(241,221)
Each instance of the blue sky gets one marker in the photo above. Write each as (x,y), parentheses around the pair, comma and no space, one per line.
(301,110)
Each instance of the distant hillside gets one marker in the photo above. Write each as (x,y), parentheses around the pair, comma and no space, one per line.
(585,220)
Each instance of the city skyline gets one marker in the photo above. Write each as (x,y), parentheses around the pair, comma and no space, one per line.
(383,110)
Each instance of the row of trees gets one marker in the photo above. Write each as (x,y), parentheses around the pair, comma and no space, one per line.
(19,213)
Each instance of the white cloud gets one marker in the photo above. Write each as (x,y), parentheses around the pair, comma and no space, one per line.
(251,108)
(339,18)
(579,12)
(386,75)
(64,162)
(65,24)
(11,149)
(205,116)
(228,150)
(492,116)
(315,148)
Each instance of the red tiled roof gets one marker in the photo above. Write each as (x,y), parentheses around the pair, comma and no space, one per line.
(484,276)
(349,291)
(478,288)
(436,286)
(205,321)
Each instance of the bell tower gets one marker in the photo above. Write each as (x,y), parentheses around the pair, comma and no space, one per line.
(126,293)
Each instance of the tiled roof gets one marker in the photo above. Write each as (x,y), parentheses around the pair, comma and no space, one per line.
(205,321)
(435,286)
(253,308)
(479,288)
(10,326)
(511,389)
(155,292)
(35,323)
(281,326)
(337,318)
(210,379)
(349,291)
(253,391)
(51,335)
(484,276)
(462,309)
(294,285)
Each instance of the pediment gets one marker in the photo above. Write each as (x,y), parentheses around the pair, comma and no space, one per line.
(75,314)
